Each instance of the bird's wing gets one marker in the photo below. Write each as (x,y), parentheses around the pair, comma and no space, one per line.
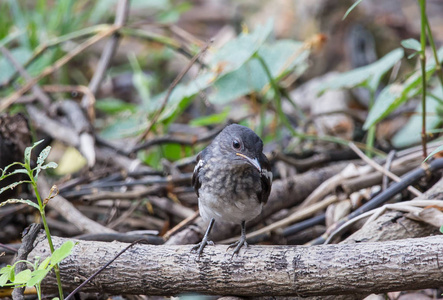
(265,179)
(195,178)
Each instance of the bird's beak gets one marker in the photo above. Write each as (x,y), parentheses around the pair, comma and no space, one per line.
(253,162)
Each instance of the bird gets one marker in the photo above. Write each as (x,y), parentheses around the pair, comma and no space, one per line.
(233,180)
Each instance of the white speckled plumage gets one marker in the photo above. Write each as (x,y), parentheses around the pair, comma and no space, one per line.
(213,202)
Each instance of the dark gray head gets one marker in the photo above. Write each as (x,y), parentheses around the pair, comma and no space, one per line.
(235,146)
(240,144)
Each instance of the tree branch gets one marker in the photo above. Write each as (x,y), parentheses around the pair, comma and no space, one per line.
(361,269)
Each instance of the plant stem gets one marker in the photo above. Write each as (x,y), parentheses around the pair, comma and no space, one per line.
(277,93)
(371,132)
(285,121)
(261,126)
(423,73)
(298,110)
(45,225)
(434,51)
(39,291)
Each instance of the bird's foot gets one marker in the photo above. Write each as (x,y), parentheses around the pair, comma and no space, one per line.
(200,246)
(240,243)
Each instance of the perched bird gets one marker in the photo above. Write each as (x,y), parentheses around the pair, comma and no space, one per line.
(232,180)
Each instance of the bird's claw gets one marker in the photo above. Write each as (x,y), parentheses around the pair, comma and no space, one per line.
(200,246)
(240,243)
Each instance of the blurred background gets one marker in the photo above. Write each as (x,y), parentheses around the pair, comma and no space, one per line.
(128,92)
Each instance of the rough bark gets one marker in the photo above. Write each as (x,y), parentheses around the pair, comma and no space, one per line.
(22,254)
(353,269)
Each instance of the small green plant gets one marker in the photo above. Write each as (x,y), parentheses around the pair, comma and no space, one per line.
(39,270)
(368,77)
(419,83)
(32,173)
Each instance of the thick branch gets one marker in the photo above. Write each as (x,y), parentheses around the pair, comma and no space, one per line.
(258,271)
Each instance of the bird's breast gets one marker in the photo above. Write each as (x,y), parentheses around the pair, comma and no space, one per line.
(228,192)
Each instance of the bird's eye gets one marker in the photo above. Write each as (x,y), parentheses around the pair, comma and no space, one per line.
(236,144)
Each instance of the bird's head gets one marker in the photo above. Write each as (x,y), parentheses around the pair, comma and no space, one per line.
(241,145)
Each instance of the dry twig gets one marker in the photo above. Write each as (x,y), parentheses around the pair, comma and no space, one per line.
(170,89)
(379,168)
(44,99)
(107,54)
(69,212)
(6,102)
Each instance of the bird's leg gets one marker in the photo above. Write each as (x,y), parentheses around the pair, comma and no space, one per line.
(200,246)
(241,241)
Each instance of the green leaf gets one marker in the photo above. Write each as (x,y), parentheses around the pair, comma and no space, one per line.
(62,252)
(281,57)
(392,96)
(142,83)
(4,279)
(383,65)
(431,60)
(11,274)
(388,99)
(22,277)
(20,54)
(412,55)
(173,152)
(369,75)
(37,276)
(28,153)
(351,8)
(182,94)
(125,126)
(441,229)
(21,171)
(211,119)
(284,56)
(43,155)
(5,270)
(245,80)
(10,166)
(113,106)
(10,37)
(244,75)
(411,133)
(28,156)
(8,273)
(13,201)
(100,9)
(411,44)
(236,52)
(49,165)
(440,148)
(44,264)
(13,185)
